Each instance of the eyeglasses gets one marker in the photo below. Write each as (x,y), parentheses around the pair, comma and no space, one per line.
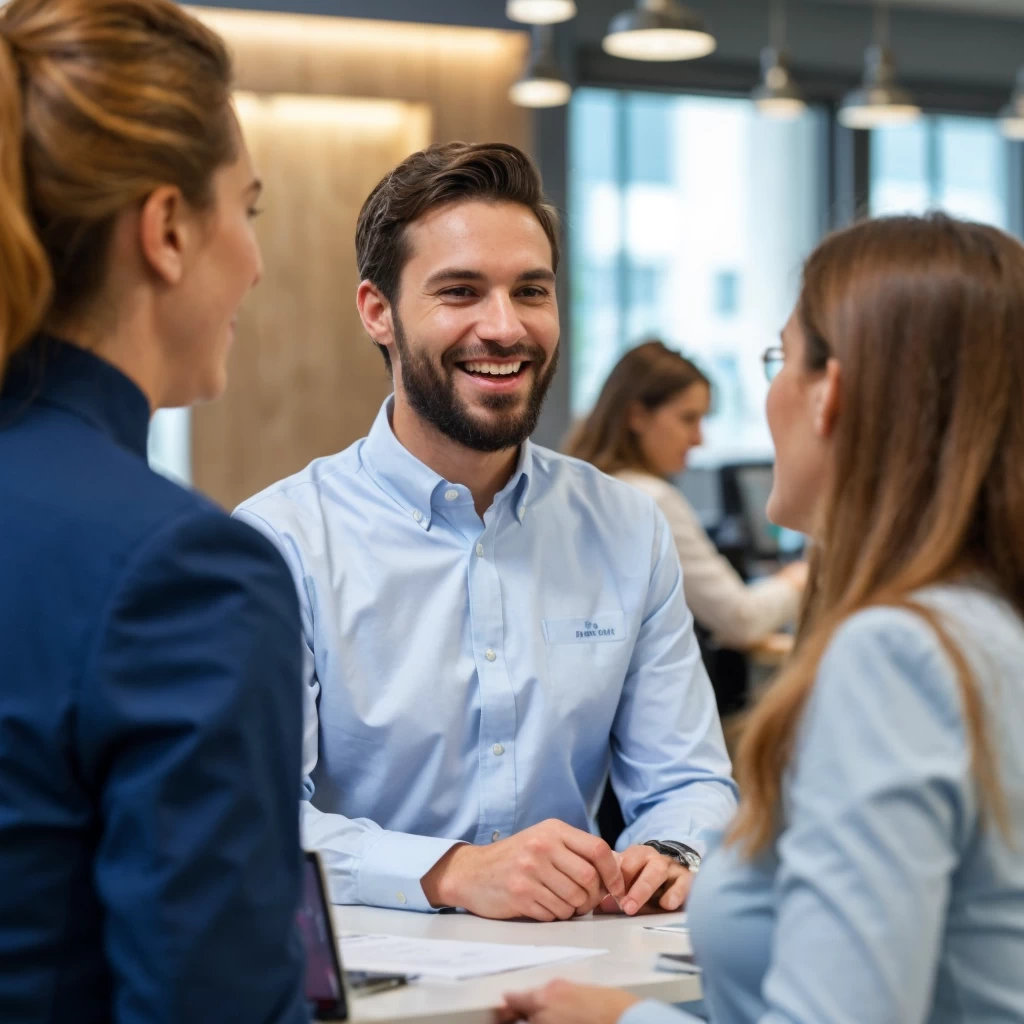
(773,359)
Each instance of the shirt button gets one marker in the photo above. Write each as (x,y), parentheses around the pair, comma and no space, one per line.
(480,551)
(498,749)
(490,655)
(400,896)
(522,511)
(418,516)
(495,836)
(451,495)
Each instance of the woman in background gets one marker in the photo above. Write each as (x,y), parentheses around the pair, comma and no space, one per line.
(874,873)
(644,424)
(150,647)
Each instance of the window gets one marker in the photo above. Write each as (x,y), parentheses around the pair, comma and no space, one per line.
(690,217)
(957,164)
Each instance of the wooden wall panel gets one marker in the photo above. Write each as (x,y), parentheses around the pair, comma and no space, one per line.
(305,379)
(463,74)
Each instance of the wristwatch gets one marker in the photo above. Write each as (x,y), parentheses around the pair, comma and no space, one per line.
(679,852)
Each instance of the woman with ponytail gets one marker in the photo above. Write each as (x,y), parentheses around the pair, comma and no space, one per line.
(150,647)
(875,872)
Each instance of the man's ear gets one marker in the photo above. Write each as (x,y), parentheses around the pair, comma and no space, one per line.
(375,312)
(828,404)
(165,231)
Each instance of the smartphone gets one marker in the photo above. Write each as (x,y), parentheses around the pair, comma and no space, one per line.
(677,963)
(366,983)
(325,986)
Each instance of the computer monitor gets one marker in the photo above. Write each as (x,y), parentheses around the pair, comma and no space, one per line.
(746,488)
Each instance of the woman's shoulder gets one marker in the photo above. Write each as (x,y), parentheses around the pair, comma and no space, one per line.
(901,658)
(920,630)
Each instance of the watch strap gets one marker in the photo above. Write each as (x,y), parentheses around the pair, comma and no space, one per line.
(679,852)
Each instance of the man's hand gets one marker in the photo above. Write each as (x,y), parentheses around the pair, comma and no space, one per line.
(549,872)
(653,882)
(563,1003)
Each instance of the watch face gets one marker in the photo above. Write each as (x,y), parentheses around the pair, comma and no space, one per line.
(682,853)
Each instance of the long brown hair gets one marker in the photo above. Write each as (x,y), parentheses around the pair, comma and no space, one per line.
(101,102)
(650,374)
(926,319)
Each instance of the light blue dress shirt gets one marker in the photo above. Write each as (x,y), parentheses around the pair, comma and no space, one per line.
(469,678)
(888,899)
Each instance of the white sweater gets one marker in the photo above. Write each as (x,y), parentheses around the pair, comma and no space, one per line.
(737,614)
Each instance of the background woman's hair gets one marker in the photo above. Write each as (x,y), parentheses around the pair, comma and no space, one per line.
(650,374)
(101,102)
(926,319)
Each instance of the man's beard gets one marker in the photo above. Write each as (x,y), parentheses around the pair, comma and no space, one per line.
(433,395)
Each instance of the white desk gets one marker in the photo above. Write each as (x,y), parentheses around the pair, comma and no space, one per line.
(629,963)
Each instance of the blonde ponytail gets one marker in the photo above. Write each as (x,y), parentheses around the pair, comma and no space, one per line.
(26,282)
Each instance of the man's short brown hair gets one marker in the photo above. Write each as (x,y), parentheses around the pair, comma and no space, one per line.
(444,173)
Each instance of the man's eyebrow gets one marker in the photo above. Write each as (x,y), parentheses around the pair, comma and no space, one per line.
(453,274)
(540,274)
(465,274)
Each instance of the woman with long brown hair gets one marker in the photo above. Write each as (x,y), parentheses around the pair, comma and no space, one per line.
(875,872)
(644,424)
(150,674)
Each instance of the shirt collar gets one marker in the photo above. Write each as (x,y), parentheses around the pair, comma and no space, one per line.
(416,487)
(57,373)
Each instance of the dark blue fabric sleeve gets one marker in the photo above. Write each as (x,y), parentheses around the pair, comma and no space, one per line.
(191,724)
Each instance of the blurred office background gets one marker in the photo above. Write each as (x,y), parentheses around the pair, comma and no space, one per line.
(687,209)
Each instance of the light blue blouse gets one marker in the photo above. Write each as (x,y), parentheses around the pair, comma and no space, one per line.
(888,898)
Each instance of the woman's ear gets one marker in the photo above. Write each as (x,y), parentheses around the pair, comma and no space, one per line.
(164,230)
(638,417)
(828,402)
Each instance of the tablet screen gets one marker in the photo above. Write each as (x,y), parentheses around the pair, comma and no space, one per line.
(324,988)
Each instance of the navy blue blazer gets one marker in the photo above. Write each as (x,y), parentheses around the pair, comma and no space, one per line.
(150,725)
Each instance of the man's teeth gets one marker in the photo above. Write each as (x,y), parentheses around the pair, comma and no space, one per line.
(494,369)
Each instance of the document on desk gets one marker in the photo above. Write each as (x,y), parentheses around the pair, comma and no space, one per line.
(448,959)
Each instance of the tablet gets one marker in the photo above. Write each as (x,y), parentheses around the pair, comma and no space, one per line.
(325,987)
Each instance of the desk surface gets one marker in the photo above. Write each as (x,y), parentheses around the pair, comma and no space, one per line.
(628,964)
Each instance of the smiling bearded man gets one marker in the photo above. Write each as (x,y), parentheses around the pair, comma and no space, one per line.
(492,628)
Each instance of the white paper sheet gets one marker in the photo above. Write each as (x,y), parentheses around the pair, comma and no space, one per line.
(448,959)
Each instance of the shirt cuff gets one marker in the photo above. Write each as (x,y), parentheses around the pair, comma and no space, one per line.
(390,872)
(650,1012)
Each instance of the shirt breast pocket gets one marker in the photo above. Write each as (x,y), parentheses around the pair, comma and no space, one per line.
(604,628)
(587,661)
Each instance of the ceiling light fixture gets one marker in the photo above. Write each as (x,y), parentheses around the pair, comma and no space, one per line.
(659,30)
(879,102)
(1011,117)
(540,12)
(778,95)
(542,84)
